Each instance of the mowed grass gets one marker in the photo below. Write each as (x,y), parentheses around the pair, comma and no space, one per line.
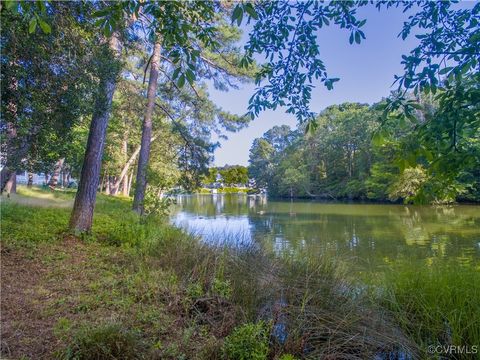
(145,289)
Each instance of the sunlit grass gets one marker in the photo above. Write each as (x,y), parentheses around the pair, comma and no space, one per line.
(438,304)
(314,306)
(40,197)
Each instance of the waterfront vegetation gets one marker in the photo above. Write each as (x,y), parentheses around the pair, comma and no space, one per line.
(223,190)
(145,289)
(109,102)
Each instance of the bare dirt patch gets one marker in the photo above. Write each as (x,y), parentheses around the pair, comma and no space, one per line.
(28,290)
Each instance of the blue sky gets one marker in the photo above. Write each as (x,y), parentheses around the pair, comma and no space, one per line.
(366,73)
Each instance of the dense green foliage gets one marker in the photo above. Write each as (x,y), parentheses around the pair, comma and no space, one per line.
(48,82)
(358,152)
(170,295)
(228,175)
(248,342)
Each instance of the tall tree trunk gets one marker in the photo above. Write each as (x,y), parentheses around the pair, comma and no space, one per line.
(147,132)
(8,172)
(82,213)
(30,179)
(56,173)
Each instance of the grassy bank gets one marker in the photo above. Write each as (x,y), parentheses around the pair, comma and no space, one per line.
(145,289)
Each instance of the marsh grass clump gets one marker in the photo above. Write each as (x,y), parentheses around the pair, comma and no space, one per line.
(108,341)
(437,305)
(318,314)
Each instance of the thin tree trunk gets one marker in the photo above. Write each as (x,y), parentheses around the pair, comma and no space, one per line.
(8,172)
(102,183)
(82,213)
(56,173)
(107,187)
(127,165)
(11,185)
(63,176)
(125,186)
(147,132)
(123,179)
(130,180)
(30,179)
(116,185)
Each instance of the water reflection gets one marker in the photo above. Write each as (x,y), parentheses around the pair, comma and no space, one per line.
(372,235)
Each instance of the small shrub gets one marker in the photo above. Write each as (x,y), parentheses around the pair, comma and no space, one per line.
(195,290)
(247,342)
(104,342)
(222,288)
(154,204)
(287,357)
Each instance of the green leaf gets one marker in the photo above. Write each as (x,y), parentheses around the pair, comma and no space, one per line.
(190,76)
(416,105)
(181,81)
(251,11)
(45,27)
(237,15)
(357,37)
(445,70)
(32,25)
(176,72)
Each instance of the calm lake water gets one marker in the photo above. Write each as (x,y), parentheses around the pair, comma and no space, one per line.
(369,237)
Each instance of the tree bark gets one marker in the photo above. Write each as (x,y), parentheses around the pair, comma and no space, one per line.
(30,179)
(56,173)
(130,180)
(82,213)
(107,187)
(125,186)
(147,132)
(11,185)
(6,177)
(127,165)
(62,178)
(116,185)
(102,183)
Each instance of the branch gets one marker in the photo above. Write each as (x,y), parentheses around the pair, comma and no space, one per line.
(146,68)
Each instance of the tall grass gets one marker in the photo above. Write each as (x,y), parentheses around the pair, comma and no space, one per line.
(438,304)
(311,305)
